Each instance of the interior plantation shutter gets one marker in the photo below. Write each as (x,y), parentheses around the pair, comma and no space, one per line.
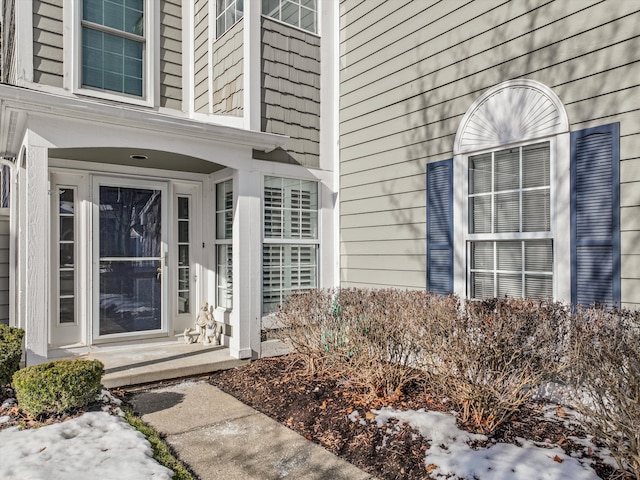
(440,227)
(595,216)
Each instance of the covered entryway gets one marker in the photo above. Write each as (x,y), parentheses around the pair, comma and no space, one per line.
(124,259)
(116,214)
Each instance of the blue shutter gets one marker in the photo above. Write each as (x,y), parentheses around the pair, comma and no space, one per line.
(440,227)
(595,216)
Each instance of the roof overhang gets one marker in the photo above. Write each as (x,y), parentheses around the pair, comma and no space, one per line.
(18,106)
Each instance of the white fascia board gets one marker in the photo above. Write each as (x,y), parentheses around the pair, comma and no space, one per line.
(15,99)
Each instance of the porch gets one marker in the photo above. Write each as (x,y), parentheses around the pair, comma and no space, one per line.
(157,361)
(136,363)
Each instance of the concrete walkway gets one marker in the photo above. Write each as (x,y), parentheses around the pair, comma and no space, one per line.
(221,438)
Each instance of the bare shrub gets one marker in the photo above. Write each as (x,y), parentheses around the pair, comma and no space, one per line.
(485,356)
(605,374)
(494,353)
(308,322)
(372,338)
(388,339)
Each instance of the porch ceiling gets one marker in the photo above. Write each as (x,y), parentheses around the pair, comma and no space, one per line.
(123,156)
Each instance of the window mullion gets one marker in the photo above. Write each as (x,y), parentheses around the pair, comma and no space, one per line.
(113,31)
(520,206)
(496,270)
(524,267)
(493,193)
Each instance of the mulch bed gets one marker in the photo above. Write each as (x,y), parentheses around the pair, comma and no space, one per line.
(318,407)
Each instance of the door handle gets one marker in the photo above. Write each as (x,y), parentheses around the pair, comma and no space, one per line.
(158,273)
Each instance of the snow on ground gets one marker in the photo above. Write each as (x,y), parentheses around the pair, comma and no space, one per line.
(451,455)
(103,445)
(94,445)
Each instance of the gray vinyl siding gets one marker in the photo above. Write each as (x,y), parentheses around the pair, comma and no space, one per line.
(291,92)
(410,70)
(201,56)
(4,269)
(47,42)
(227,72)
(171,54)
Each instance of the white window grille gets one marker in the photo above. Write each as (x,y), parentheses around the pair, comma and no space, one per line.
(290,249)
(302,14)
(113,46)
(510,247)
(224,249)
(228,12)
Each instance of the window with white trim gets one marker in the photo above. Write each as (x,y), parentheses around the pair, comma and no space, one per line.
(113,46)
(184,254)
(224,249)
(228,13)
(302,14)
(290,248)
(510,242)
(66,255)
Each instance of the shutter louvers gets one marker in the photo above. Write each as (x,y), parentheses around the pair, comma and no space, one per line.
(440,227)
(595,216)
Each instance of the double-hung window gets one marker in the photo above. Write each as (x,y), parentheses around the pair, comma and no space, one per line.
(228,12)
(302,14)
(510,242)
(290,249)
(224,249)
(113,46)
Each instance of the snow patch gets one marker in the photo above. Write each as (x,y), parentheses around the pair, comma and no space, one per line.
(450,453)
(94,445)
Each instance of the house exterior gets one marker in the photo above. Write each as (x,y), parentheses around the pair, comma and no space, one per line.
(491,148)
(158,154)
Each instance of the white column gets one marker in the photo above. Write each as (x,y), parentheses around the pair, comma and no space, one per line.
(329,148)
(35,254)
(247,265)
(251,65)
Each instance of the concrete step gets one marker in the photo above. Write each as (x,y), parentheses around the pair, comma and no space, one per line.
(133,365)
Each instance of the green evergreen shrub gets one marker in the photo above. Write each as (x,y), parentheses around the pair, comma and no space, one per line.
(10,352)
(58,387)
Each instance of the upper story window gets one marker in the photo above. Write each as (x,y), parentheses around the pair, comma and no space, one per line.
(113,46)
(299,13)
(228,12)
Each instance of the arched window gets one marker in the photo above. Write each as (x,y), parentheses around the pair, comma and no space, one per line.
(511,183)
(526,208)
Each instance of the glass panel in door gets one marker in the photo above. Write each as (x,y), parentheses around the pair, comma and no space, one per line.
(130,260)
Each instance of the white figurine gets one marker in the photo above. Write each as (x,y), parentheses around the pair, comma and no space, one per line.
(204,319)
(207,330)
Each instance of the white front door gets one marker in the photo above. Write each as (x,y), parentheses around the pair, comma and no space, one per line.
(129,257)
